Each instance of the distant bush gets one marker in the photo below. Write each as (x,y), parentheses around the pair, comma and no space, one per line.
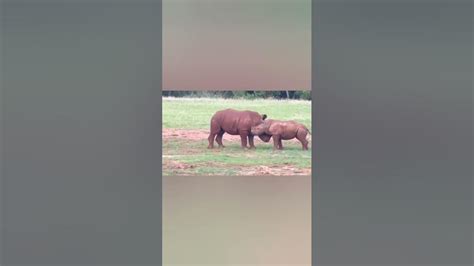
(303,95)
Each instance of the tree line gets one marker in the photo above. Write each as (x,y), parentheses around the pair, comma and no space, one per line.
(302,95)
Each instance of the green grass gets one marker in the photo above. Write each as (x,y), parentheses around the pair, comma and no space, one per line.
(195,114)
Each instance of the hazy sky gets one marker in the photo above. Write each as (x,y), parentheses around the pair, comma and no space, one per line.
(234,44)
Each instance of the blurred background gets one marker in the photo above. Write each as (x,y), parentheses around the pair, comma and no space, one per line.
(215,44)
(222,220)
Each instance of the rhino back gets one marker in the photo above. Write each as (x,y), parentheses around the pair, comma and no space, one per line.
(233,121)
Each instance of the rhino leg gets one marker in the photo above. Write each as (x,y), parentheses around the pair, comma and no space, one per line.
(211,141)
(301,136)
(214,130)
(219,139)
(243,139)
(252,146)
(276,142)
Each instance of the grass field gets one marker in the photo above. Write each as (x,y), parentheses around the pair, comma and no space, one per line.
(186,128)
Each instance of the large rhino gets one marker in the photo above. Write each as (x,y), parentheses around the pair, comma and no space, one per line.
(235,122)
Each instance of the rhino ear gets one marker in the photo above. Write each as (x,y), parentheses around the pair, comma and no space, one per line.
(264,116)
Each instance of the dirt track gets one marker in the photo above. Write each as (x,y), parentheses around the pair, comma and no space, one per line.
(199,135)
(193,135)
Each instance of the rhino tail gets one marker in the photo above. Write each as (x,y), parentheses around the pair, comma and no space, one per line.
(307,130)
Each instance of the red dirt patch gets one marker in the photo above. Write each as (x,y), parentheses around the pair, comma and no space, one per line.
(169,164)
(285,170)
(178,168)
(242,170)
(199,135)
(192,134)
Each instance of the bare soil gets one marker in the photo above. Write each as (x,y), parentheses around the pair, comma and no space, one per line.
(199,135)
(281,170)
(171,164)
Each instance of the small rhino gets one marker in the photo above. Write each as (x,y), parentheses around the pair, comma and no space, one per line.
(282,130)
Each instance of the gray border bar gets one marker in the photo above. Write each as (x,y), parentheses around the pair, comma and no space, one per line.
(392,84)
(81,132)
